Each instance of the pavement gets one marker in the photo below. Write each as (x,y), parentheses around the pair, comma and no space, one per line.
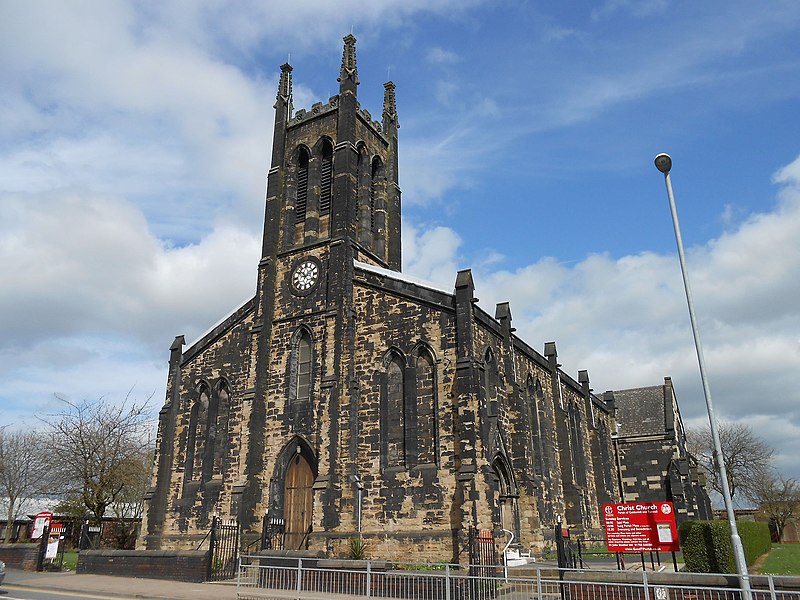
(99,586)
(88,586)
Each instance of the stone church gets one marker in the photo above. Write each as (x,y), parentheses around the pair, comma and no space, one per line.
(650,445)
(346,399)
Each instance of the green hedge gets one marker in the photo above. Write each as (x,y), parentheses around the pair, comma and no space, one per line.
(706,545)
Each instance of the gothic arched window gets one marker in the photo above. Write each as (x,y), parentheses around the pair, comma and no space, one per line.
(394,413)
(577,447)
(220,427)
(534,402)
(427,430)
(195,443)
(301,367)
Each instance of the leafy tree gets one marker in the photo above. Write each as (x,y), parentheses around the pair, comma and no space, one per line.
(98,449)
(777,498)
(747,457)
(24,470)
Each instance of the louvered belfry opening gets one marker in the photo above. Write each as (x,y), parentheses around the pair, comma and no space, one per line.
(326,179)
(302,186)
(377,173)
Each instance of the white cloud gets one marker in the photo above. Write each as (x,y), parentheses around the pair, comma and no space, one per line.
(431,254)
(91,264)
(440,56)
(637,8)
(626,319)
(97,298)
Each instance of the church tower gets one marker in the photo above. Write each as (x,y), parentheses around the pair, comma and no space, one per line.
(333,176)
(332,200)
(345,399)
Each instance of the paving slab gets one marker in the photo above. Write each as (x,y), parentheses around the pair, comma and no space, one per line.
(119,587)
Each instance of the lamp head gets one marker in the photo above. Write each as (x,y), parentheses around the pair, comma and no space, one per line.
(663,163)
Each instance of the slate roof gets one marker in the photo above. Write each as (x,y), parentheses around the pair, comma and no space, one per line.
(640,411)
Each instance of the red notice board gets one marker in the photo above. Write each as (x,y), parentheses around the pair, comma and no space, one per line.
(641,527)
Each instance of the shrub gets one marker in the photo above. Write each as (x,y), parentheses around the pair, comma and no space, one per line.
(756,539)
(707,545)
(358,548)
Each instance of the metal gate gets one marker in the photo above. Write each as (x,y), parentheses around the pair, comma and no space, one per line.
(272,530)
(223,555)
(90,536)
(483,567)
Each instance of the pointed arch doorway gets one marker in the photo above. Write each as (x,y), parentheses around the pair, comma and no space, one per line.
(507,496)
(298,501)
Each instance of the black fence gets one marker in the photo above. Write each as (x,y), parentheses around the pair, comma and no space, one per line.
(272,533)
(483,568)
(223,555)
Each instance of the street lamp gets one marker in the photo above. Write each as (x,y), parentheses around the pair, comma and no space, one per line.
(664,164)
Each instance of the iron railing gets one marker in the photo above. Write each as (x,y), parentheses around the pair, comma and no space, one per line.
(266,577)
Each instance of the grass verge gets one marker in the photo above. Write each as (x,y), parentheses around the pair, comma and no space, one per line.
(783,559)
(70,560)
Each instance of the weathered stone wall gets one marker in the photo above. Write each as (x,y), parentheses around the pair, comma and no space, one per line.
(403,506)
(222,357)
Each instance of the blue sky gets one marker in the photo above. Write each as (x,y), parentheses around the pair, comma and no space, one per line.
(135,137)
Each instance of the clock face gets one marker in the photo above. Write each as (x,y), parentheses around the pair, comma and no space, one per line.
(305,275)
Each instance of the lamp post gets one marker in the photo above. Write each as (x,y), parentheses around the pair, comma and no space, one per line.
(663,163)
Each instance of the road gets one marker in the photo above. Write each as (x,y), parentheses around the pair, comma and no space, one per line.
(10,592)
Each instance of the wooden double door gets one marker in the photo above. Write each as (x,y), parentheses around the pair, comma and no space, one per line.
(297,502)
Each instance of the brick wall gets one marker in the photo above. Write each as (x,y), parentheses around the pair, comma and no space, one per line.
(176,565)
(19,556)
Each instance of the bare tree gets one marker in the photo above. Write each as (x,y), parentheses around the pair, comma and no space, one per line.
(23,471)
(777,498)
(129,505)
(747,457)
(96,446)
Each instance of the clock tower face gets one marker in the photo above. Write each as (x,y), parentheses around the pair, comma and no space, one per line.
(305,276)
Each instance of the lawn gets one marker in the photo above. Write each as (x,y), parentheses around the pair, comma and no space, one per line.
(70,560)
(783,559)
